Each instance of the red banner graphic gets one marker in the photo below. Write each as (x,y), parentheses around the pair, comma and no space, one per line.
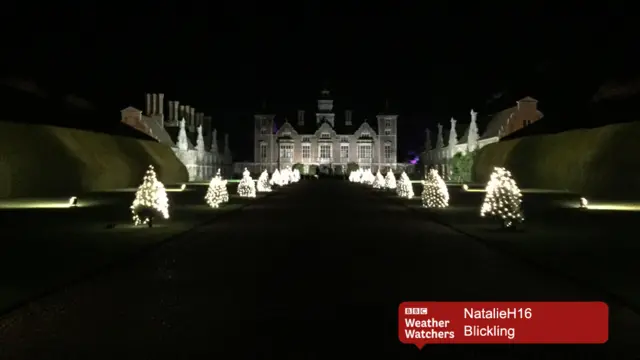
(422,323)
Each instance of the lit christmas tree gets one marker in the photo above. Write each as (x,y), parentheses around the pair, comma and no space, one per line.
(398,185)
(223,187)
(263,182)
(378,183)
(367,177)
(285,176)
(246,187)
(502,199)
(405,187)
(296,175)
(390,180)
(434,193)
(276,178)
(214,196)
(355,176)
(151,200)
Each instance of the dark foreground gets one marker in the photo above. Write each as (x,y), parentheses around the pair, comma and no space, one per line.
(314,272)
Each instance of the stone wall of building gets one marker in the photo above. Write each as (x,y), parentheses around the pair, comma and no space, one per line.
(40,160)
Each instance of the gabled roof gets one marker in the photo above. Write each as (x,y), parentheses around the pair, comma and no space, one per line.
(496,122)
(287,126)
(130,109)
(159,132)
(365,126)
(310,125)
(324,127)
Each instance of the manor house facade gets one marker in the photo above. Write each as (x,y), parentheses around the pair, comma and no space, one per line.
(324,140)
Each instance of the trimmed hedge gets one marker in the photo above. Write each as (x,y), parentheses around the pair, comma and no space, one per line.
(601,162)
(41,160)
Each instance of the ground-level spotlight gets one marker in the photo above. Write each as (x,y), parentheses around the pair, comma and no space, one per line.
(465,187)
(73,201)
(184,186)
(584,204)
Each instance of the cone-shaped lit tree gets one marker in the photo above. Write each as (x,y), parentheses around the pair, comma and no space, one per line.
(263,182)
(151,200)
(502,199)
(434,193)
(405,187)
(355,176)
(378,183)
(276,178)
(223,187)
(296,175)
(285,176)
(367,177)
(214,196)
(246,187)
(390,180)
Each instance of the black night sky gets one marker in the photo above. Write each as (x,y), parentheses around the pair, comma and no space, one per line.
(431,61)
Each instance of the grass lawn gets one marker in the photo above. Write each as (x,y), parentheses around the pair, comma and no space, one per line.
(597,247)
(46,247)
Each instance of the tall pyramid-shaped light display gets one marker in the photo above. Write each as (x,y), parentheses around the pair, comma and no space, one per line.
(390,181)
(246,187)
(405,187)
(151,200)
(434,193)
(503,199)
(263,182)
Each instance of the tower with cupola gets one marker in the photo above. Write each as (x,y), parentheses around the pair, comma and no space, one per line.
(325,109)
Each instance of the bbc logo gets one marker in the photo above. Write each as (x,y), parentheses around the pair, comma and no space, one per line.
(416,311)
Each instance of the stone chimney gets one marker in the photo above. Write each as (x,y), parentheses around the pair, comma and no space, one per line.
(171,112)
(193,118)
(185,115)
(148,109)
(347,117)
(176,111)
(300,117)
(160,104)
(181,112)
(154,104)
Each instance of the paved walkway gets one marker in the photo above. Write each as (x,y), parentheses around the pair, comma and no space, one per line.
(314,272)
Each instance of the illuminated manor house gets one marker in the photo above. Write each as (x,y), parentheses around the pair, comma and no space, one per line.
(189,133)
(324,141)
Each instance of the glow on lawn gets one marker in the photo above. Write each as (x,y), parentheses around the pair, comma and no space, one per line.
(613,206)
(51,203)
